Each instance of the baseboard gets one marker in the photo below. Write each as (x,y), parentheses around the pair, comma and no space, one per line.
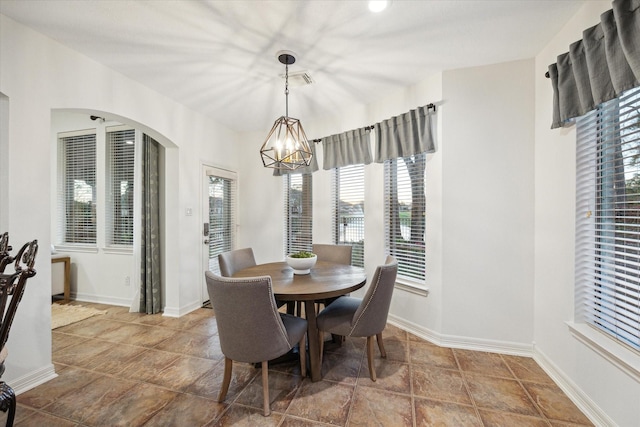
(33,379)
(171,312)
(573,392)
(181,311)
(122,302)
(466,343)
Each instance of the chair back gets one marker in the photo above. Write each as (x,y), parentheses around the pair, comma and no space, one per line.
(371,316)
(249,324)
(338,254)
(12,287)
(235,260)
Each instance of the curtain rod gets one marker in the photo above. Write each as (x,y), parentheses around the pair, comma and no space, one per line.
(428,106)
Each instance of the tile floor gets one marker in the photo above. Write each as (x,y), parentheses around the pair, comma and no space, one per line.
(125,369)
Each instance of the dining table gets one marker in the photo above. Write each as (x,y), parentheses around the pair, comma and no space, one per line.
(325,280)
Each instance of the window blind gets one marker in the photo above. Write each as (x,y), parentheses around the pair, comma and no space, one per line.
(222,218)
(608,218)
(298,212)
(77,192)
(120,170)
(348,210)
(405,202)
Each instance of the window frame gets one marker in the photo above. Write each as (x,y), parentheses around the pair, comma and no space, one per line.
(304,217)
(406,263)
(111,240)
(63,190)
(605,224)
(353,178)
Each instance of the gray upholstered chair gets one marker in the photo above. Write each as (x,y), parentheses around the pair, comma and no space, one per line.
(239,259)
(366,317)
(235,260)
(339,254)
(250,327)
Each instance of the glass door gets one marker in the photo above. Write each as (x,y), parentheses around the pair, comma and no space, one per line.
(219,214)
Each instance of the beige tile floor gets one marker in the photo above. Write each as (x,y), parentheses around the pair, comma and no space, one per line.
(124,369)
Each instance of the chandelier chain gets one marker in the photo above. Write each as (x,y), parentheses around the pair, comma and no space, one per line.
(286,89)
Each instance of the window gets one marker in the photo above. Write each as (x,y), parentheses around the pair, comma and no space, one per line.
(348,210)
(404,199)
(119,215)
(298,213)
(77,190)
(608,219)
(222,215)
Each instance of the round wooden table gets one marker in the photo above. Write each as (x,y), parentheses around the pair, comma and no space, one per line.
(326,280)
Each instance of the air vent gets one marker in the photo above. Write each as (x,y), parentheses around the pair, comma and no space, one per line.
(299,78)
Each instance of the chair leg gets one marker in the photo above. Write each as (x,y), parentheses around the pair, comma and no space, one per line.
(8,402)
(381,345)
(372,369)
(226,380)
(302,351)
(265,388)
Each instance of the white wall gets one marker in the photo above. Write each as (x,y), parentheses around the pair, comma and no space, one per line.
(607,392)
(4,161)
(37,76)
(488,203)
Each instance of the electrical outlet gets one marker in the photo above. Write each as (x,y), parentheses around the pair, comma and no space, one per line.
(127,281)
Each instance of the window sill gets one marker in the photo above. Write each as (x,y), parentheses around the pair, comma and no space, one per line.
(413,287)
(76,248)
(124,250)
(617,354)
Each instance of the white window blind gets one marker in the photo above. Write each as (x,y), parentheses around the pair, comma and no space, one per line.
(77,192)
(405,201)
(348,210)
(608,218)
(298,212)
(222,217)
(120,170)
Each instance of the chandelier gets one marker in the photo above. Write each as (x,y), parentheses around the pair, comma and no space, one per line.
(286,146)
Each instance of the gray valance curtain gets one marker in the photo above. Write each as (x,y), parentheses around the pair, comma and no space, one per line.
(601,66)
(313,166)
(347,148)
(405,135)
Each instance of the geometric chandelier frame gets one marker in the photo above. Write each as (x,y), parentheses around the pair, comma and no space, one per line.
(286,146)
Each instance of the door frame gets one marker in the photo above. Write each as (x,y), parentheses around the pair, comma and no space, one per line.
(208,170)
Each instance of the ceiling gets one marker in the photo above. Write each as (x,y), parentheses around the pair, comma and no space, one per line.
(219,57)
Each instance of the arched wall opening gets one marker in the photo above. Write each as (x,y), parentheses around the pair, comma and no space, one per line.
(103,274)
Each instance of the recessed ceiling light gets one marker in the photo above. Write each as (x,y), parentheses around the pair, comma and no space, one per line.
(377,5)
